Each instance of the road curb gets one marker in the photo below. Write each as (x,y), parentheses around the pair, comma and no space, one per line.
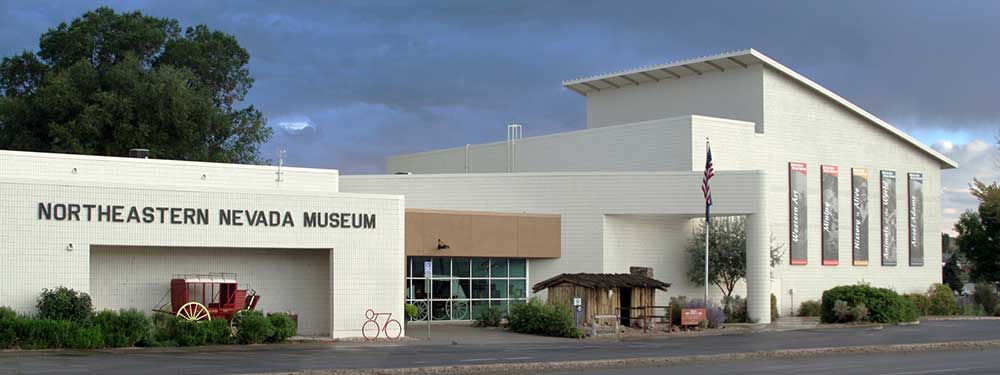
(659,361)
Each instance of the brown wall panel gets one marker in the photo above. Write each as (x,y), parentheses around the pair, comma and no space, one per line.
(482,234)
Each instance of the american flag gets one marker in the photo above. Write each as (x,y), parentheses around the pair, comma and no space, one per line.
(706,190)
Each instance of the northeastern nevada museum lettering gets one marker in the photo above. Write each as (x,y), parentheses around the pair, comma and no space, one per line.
(200,216)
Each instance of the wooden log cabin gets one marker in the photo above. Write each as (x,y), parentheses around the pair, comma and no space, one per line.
(606,293)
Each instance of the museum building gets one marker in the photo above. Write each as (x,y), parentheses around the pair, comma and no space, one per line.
(482,224)
(843,196)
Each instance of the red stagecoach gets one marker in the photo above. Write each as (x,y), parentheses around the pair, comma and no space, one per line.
(209,296)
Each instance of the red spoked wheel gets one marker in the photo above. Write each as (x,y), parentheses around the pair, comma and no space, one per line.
(393,329)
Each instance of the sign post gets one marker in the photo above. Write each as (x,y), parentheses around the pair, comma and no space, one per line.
(428,270)
(578,307)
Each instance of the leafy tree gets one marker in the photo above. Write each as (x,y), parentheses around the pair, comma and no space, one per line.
(107,82)
(979,233)
(727,255)
(952,273)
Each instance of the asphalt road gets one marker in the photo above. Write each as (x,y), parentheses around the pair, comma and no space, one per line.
(925,363)
(255,359)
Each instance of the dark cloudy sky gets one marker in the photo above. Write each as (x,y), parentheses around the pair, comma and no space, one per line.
(346,84)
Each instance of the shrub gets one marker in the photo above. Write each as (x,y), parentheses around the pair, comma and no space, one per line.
(921,302)
(985,296)
(252,327)
(411,311)
(540,318)
(941,300)
(810,308)
(774,307)
(841,311)
(859,313)
(884,305)
(217,331)
(735,309)
(489,317)
(123,329)
(85,338)
(65,304)
(188,333)
(966,306)
(8,324)
(676,305)
(283,326)
(35,333)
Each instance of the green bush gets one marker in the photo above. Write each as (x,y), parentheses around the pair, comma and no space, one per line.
(36,333)
(984,295)
(217,331)
(921,301)
(810,308)
(85,338)
(283,326)
(252,327)
(676,305)
(8,325)
(735,309)
(124,329)
(942,300)
(411,311)
(65,304)
(540,318)
(859,313)
(188,333)
(489,317)
(774,307)
(884,305)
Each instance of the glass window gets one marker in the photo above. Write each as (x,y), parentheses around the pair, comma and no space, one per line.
(498,288)
(517,288)
(480,289)
(460,267)
(502,305)
(498,267)
(461,289)
(442,267)
(518,268)
(481,267)
(460,310)
(417,289)
(439,310)
(478,307)
(442,289)
(417,266)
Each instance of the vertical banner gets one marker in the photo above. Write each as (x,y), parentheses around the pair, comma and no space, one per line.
(797,213)
(915,187)
(859,216)
(830,215)
(888,183)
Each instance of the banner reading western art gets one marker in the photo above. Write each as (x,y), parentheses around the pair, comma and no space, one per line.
(797,213)
(888,218)
(830,214)
(859,216)
(916,221)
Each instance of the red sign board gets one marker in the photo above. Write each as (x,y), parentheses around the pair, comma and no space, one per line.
(691,317)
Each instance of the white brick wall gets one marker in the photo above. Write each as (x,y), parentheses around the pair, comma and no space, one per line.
(366,265)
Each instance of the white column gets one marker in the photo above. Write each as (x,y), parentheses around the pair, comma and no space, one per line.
(759,258)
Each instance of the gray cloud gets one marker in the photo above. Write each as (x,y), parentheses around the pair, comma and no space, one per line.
(976,159)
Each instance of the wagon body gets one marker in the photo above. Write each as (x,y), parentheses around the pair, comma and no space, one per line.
(210,296)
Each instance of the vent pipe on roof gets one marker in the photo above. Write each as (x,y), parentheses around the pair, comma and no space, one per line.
(138,153)
(513,135)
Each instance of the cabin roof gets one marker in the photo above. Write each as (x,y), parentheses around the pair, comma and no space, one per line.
(602,280)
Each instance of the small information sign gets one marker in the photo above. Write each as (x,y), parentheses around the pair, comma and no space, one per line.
(428,268)
(691,317)
(577,301)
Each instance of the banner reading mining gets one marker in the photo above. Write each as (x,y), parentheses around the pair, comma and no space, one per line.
(830,214)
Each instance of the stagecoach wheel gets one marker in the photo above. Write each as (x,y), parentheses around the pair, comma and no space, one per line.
(459,310)
(193,311)
(421,310)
